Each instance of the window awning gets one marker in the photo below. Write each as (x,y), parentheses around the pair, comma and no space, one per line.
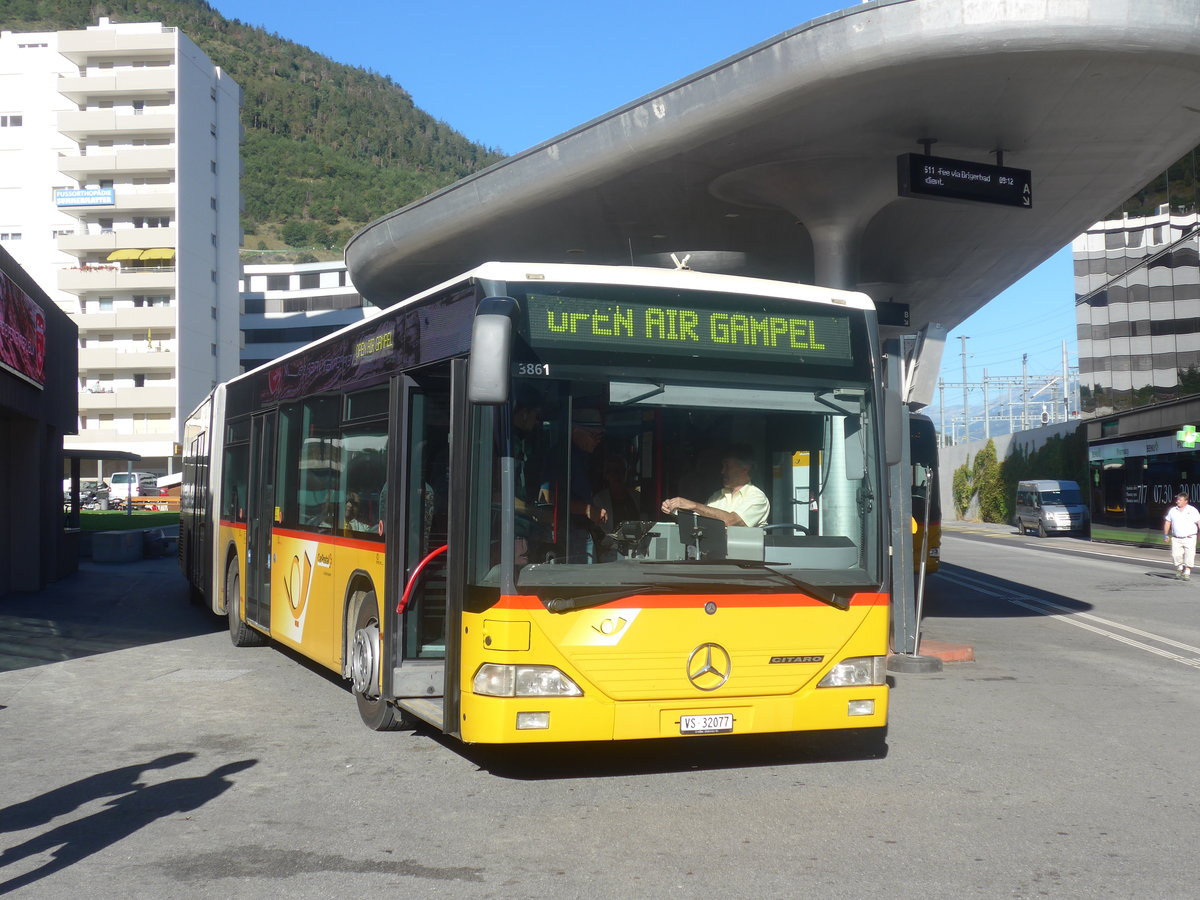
(125,254)
(159,253)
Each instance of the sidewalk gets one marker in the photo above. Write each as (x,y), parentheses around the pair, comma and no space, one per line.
(1159,553)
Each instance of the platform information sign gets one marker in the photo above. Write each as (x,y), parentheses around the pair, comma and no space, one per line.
(938,178)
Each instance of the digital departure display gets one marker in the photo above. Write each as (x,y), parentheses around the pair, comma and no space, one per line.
(570,322)
(939,178)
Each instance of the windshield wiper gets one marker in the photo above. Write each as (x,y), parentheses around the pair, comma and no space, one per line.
(599,598)
(828,597)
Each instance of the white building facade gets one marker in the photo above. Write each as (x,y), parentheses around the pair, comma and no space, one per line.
(285,306)
(120,180)
(1137,309)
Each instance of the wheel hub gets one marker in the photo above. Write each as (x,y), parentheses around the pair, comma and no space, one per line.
(364,660)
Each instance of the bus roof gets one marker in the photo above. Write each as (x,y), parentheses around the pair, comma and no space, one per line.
(686,279)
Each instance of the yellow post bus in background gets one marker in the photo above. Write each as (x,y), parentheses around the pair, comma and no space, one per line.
(926,493)
(415,503)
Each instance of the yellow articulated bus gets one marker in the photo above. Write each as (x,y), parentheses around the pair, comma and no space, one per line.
(564,503)
(926,493)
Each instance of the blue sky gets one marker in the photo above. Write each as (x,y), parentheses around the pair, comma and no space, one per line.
(515,74)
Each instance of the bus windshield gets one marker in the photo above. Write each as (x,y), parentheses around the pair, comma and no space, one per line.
(600,466)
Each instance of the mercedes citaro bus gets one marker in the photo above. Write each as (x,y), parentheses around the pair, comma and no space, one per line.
(414,503)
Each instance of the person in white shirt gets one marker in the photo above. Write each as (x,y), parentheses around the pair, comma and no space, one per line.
(738,502)
(1180,525)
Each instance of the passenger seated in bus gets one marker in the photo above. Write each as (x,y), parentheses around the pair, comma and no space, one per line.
(738,502)
(324,516)
(356,514)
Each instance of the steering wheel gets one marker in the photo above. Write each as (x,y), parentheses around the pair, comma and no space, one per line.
(789,526)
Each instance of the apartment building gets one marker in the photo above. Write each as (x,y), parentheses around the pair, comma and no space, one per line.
(119,195)
(285,306)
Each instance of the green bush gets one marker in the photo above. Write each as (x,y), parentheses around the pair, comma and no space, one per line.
(963,490)
(989,484)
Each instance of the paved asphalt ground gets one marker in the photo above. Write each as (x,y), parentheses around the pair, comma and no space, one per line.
(145,757)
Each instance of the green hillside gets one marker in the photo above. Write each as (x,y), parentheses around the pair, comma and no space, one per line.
(328,147)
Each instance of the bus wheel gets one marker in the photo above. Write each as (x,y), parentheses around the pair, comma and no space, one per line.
(240,633)
(376,712)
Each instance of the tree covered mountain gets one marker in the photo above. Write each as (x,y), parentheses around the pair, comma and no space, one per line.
(328,147)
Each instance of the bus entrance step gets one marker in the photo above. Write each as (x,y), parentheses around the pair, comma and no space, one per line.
(430,711)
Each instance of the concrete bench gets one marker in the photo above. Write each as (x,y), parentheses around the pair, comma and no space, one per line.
(116,546)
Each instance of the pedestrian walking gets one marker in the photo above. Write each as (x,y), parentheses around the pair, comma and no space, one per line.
(1180,525)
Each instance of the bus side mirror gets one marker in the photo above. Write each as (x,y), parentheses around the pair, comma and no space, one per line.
(893,427)
(491,351)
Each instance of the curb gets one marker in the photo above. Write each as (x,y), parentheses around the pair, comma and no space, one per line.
(947,652)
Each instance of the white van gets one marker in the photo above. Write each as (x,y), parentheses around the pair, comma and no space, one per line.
(1050,507)
(123,485)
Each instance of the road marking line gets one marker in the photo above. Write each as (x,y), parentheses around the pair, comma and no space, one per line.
(1072,617)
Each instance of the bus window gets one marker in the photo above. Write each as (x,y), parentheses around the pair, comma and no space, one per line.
(310,465)
(364,471)
(236,482)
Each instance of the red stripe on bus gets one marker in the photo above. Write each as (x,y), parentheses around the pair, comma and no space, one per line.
(239,526)
(336,540)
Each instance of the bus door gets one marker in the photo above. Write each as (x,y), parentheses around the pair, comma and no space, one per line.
(194,521)
(424,514)
(258,528)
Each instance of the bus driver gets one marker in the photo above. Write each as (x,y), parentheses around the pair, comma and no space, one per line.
(738,502)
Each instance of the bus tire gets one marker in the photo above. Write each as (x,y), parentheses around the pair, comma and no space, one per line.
(240,633)
(1041,528)
(365,646)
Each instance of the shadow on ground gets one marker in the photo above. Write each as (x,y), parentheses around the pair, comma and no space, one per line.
(958,592)
(100,608)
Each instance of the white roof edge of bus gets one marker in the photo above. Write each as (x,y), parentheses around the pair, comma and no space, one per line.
(591,274)
(663,277)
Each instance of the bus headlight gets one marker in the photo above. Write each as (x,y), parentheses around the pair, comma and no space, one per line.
(856,672)
(495,680)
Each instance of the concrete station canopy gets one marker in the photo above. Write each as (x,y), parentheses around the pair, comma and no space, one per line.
(781,161)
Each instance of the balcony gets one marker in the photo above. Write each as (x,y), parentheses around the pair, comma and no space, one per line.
(79,125)
(113,279)
(83,46)
(120,239)
(159,400)
(130,200)
(106,359)
(158,81)
(131,161)
(138,319)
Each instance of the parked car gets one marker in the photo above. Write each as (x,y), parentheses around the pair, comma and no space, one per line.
(1050,506)
(93,493)
(123,485)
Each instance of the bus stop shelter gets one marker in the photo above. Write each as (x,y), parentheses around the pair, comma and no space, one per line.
(75,456)
(817,156)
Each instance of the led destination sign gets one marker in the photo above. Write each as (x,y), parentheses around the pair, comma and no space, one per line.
(595,324)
